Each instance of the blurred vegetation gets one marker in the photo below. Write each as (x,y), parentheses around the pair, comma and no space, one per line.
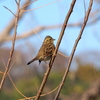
(76,83)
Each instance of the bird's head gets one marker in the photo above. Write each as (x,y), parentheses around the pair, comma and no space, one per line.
(48,39)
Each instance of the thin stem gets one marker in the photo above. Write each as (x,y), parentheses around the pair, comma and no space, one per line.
(10,11)
(40,6)
(27,4)
(55,52)
(84,7)
(73,51)
(16,2)
(12,50)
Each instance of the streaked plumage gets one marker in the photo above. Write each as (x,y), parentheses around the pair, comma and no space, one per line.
(46,50)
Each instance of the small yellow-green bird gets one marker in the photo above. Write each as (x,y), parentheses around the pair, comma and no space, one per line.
(46,51)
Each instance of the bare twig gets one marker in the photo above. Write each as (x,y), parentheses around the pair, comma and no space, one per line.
(9,27)
(9,10)
(11,78)
(63,55)
(84,6)
(16,87)
(74,48)
(55,52)
(16,2)
(12,50)
(27,4)
(41,94)
(14,84)
(40,6)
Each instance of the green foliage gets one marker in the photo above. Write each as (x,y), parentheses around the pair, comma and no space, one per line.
(27,87)
(87,73)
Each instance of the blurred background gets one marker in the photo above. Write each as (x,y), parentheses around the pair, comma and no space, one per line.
(83,82)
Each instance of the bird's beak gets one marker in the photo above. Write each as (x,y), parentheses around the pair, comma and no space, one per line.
(54,39)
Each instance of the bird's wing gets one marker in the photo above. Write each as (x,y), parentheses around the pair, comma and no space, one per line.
(40,53)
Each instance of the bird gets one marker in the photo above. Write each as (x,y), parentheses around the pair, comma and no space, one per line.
(46,51)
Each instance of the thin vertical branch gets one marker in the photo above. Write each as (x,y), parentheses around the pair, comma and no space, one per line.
(16,2)
(84,6)
(12,50)
(55,52)
(74,48)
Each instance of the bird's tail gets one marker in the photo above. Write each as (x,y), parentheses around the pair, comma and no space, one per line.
(31,61)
